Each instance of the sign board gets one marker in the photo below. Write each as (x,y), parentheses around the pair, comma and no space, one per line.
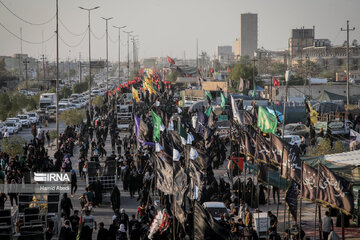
(97,64)
(262,223)
(319,125)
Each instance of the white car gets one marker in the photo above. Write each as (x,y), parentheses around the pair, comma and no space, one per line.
(216,209)
(11,127)
(33,117)
(293,139)
(71,106)
(63,107)
(77,103)
(24,119)
(17,121)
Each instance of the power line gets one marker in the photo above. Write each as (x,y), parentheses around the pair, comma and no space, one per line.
(75,45)
(34,24)
(98,38)
(30,42)
(72,33)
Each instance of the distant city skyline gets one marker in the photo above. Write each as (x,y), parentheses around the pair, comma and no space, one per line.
(168,27)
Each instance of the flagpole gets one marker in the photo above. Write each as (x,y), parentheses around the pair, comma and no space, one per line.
(301,193)
(316,196)
(287,75)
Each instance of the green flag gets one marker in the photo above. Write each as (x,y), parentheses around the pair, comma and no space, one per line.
(207,94)
(266,121)
(208,111)
(156,122)
(223,100)
(182,133)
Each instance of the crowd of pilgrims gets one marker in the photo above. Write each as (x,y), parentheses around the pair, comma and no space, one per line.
(137,176)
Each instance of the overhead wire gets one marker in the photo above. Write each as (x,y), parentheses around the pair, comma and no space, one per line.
(26,41)
(98,38)
(25,21)
(71,32)
(75,45)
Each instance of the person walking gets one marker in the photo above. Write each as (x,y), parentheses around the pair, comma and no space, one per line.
(103,233)
(73,183)
(327,225)
(90,223)
(66,206)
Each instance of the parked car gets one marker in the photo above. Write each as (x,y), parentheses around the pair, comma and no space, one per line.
(216,209)
(24,119)
(11,127)
(34,118)
(297,129)
(293,139)
(2,129)
(17,121)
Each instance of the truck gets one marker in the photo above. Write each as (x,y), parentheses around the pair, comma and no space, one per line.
(124,116)
(47,99)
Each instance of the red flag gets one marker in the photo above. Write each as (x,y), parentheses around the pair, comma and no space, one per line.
(276,82)
(211,70)
(239,161)
(228,69)
(170,60)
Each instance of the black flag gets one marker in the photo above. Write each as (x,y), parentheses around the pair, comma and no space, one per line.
(334,190)
(206,228)
(309,177)
(291,198)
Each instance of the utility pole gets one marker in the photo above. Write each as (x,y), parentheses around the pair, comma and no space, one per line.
(80,68)
(107,53)
(57,74)
(26,62)
(20,57)
(89,10)
(348,61)
(43,58)
(254,82)
(119,68)
(128,54)
(197,54)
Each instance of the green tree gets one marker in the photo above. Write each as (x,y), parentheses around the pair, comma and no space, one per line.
(80,87)
(242,69)
(72,116)
(98,101)
(217,65)
(323,148)
(339,147)
(5,105)
(65,92)
(172,76)
(13,146)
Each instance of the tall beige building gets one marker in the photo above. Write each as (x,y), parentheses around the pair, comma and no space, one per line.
(246,44)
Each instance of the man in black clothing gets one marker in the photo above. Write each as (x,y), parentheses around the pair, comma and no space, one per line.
(73,183)
(103,233)
(65,232)
(135,233)
(75,220)
(132,223)
(273,220)
(113,230)
(3,199)
(66,205)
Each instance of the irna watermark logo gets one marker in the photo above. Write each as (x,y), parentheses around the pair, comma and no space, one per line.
(51,177)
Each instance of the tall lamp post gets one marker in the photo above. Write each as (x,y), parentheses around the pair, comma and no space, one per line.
(89,10)
(128,54)
(119,70)
(107,53)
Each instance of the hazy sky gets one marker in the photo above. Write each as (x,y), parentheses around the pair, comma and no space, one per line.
(170,27)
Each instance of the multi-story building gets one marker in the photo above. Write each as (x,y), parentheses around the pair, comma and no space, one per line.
(224,54)
(300,39)
(246,44)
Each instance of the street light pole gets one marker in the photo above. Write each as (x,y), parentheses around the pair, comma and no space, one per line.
(107,53)
(128,54)
(119,70)
(89,10)
(348,61)
(57,75)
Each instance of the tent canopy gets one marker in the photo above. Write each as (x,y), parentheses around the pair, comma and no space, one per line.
(329,96)
(328,107)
